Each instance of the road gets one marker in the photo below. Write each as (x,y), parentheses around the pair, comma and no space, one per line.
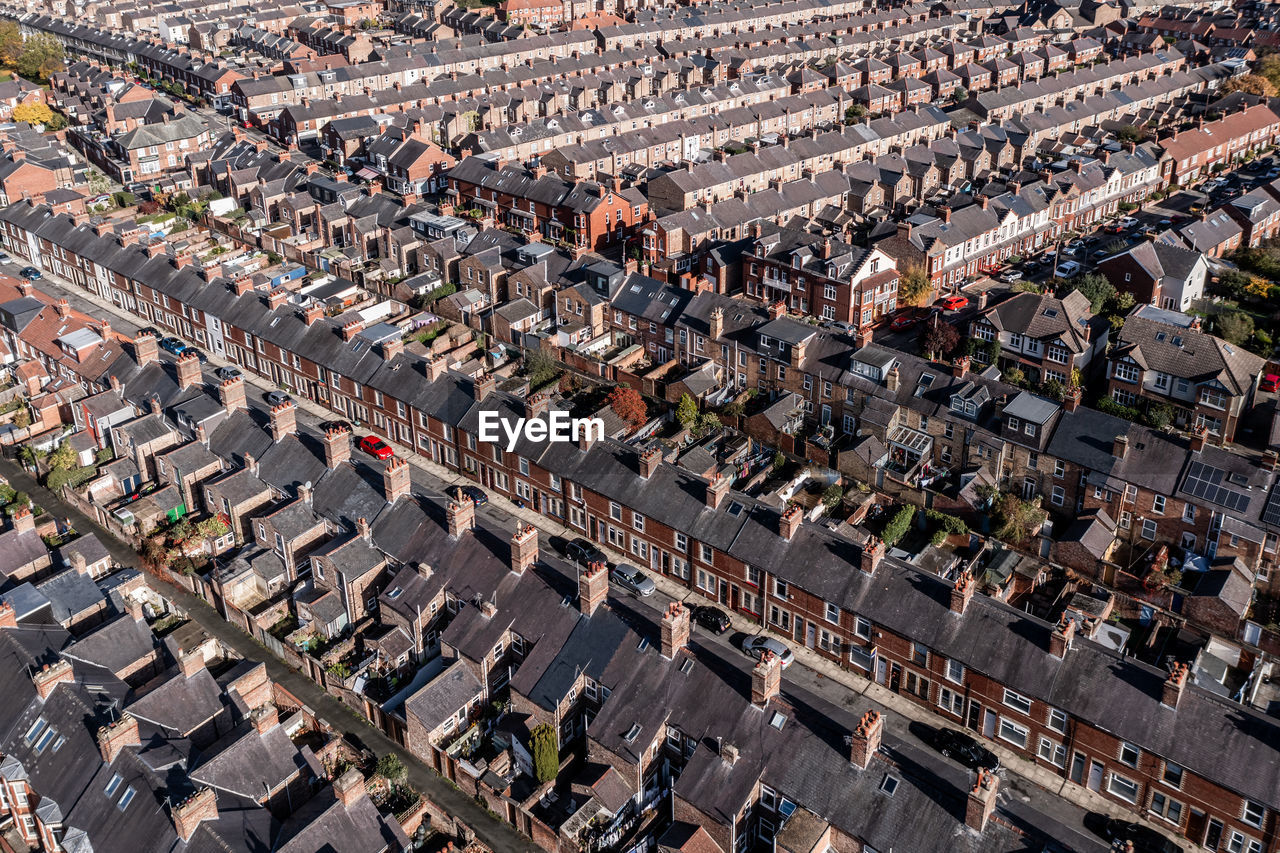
(497,835)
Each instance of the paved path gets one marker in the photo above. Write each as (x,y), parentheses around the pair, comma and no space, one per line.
(497,835)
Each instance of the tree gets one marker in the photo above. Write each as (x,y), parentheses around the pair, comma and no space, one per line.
(10,43)
(1158,415)
(22,418)
(1131,133)
(939,339)
(1096,288)
(1250,84)
(707,422)
(898,525)
(546,755)
(959,95)
(1234,326)
(542,368)
(687,412)
(33,113)
(832,496)
(1269,67)
(391,768)
(1018,519)
(853,113)
(913,285)
(63,457)
(629,405)
(41,57)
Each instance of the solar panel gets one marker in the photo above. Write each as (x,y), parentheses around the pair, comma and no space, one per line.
(1205,482)
(1271,515)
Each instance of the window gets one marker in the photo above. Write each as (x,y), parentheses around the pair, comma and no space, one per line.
(779,588)
(637,521)
(1054,753)
(861,657)
(1157,504)
(862,628)
(704,552)
(1126,372)
(1172,775)
(1059,468)
(1057,720)
(1167,808)
(1129,754)
(1125,789)
(1058,496)
(113,785)
(919,654)
(833,613)
(1148,529)
(1242,844)
(955,671)
(126,798)
(1253,813)
(1014,733)
(1017,702)
(950,701)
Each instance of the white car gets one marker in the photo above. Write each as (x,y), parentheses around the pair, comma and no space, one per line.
(5,258)
(1066,269)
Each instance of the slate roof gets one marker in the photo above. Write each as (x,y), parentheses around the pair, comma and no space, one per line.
(444,696)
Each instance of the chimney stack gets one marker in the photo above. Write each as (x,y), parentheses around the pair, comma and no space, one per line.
(337,447)
(191,662)
(232,391)
(51,675)
(1173,686)
(865,741)
(312,313)
(482,386)
(461,515)
(266,718)
(1198,438)
(188,367)
(284,420)
(891,379)
(962,592)
(537,405)
(676,627)
(1120,446)
(24,521)
(716,324)
(349,787)
(1063,633)
(717,488)
(960,366)
(351,328)
(789,523)
(872,554)
(524,548)
(145,349)
(982,800)
(188,814)
(78,562)
(649,460)
(1268,460)
(395,479)
(362,528)
(114,738)
(593,586)
(8,616)
(436,368)
(392,348)
(766,680)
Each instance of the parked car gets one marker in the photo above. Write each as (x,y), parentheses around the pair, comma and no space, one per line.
(1077,244)
(756,647)
(224,373)
(31,273)
(1269,382)
(1010,276)
(1129,222)
(1271,175)
(173,345)
(954,302)
(1144,838)
(200,357)
(629,577)
(376,447)
(328,425)
(584,553)
(963,748)
(5,258)
(275,398)
(475,494)
(713,619)
(903,321)
(1066,269)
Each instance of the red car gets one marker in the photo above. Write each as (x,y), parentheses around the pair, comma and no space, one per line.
(376,447)
(903,321)
(1269,382)
(954,302)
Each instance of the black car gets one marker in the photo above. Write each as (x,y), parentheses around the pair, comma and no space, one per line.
(328,425)
(475,494)
(583,553)
(1144,838)
(966,750)
(713,619)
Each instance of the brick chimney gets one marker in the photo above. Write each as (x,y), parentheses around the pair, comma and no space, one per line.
(8,616)
(872,554)
(24,521)
(78,562)
(982,800)
(349,787)
(593,586)
(649,460)
(1063,633)
(284,420)
(1269,460)
(114,738)
(677,624)
(1173,686)
(461,515)
(351,328)
(188,814)
(766,680)
(392,348)
(1198,438)
(436,368)
(1071,400)
(312,313)
(865,741)
(1120,446)
(145,349)
(524,548)
(276,298)
(362,528)
(51,675)
(188,367)
(482,386)
(232,392)
(191,662)
(962,592)
(395,479)
(789,523)
(960,366)
(266,718)
(537,405)
(337,447)
(891,379)
(717,488)
(716,324)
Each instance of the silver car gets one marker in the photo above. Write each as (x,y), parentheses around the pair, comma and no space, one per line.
(629,577)
(756,647)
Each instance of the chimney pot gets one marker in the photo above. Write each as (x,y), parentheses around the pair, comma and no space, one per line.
(524,548)
(51,676)
(865,741)
(1171,692)
(982,800)
(593,586)
(461,516)
(337,447)
(1063,633)
(872,554)
(962,592)
(766,680)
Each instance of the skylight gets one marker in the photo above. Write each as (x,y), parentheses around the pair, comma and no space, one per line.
(778,720)
(889,785)
(126,798)
(632,733)
(113,785)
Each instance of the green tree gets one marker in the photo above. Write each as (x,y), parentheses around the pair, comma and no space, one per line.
(687,412)
(41,57)
(391,768)
(1096,288)
(1158,415)
(913,285)
(63,457)
(22,418)
(898,525)
(542,368)
(832,496)
(1018,519)
(853,113)
(959,95)
(10,43)
(1235,327)
(546,755)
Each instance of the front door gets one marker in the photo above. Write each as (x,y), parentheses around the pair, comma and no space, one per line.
(895,677)
(1196,825)
(1078,762)
(882,667)
(1095,776)
(989,724)
(975,716)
